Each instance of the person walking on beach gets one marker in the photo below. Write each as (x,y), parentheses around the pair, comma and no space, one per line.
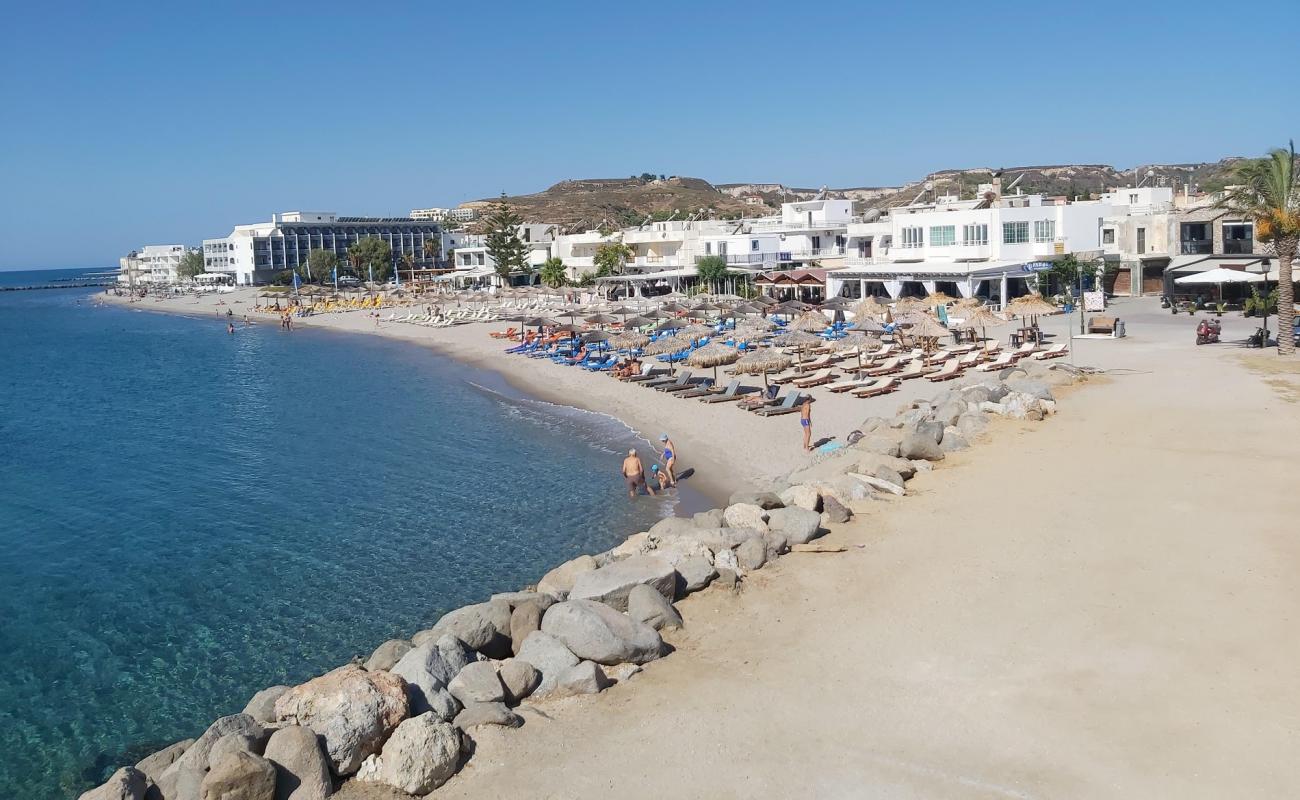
(634,475)
(805,420)
(670,458)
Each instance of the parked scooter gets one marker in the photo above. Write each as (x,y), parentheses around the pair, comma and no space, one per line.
(1259,338)
(1207,332)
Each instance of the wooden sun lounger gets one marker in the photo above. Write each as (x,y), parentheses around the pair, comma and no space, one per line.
(1055,351)
(816,379)
(938,358)
(703,384)
(725,397)
(969,360)
(878,387)
(1004,360)
(712,391)
(849,384)
(681,377)
(788,405)
(915,369)
(1028,348)
(682,383)
(949,371)
(888,367)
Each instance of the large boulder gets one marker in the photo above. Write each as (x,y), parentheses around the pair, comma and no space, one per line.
(752,553)
(1037,389)
(802,496)
(156,763)
(713,518)
(948,412)
(795,525)
(900,466)
(764,500)
(646,605)
(594,631)
(669,527)
(560,580)
(835,512)
(953,441)
(719,539)
(301,770)
(354,711)
(746,515)
(483,626)
(388,654)
(476,714)
(128,783)
(419,757)
(426,673)
(611,583)
(519,678)
(183,780)
(881,484)
(678,549)
(585,678)
(917,445)
(239,775)
(525,619)
(517,599)
(694,573)
(233,742)
(262,705)
(971,424)
(549,656)
(477,683)
(931,428)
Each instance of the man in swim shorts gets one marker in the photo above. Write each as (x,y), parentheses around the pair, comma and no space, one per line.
(805,419)
(634,475)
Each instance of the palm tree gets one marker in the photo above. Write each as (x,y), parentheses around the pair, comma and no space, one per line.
(432,249)
(553,273)
(408,262)
(1268,193)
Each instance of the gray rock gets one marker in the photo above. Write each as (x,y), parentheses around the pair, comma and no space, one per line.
(646,605)
(712,518)
(301,770)
(594,631)
(953,441)
(835,512)
(920,445)
(477,683)
(746,515)
(234,742)
(764,500)
(184,778)
(882,485)
(525,619)
(456,654)
(612,583)
(884,473)
(483,626)
(774,544)
(718,539)
(872,424)
(971,425)
(876,443)
(727,579)
(802,496)
(549,656)
(421,755)
(560,580)
(388,654)
(487,714)
(694,573)
(752,553)
(585,678)
(977,394)
(427,673)
(519,678)
(1032,387)
(354,711)
(128,783)
(262,706)
(669,527)
(797,525)
(517,599)
(239,775)
(153,765)
(989,407)
(927,427)
(869,464)
(948,413)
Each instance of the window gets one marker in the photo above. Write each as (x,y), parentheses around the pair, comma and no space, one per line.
(1108,236)
(708,248)
(1044,230)
(912,237)
(943,235)
(753,245)
(1133,199)
(1238,238)
(1015,232)
(1142,240)
(974,234)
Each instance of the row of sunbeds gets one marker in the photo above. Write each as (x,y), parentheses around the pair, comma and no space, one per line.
(765,403)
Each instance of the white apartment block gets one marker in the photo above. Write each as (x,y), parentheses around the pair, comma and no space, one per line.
(153,264)
(430,214)
(471,259)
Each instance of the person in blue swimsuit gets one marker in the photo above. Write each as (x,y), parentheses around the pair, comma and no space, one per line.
(805,419)
(670,458)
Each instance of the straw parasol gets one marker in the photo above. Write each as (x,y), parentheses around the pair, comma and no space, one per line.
(1030,304)
(938,298)
(910,304)
(838,303)
(981,317)
(763,362)
(596,336)
(666,346)
(636,322)
(858,341)
(764,300)
(670,325)
(748,308)
(657,315)
(869,307)
(675,308)
(812,321)
(695,331)
(713,355)
(601,319)
(866,324)
(928,330)
(631,341)
(969,302)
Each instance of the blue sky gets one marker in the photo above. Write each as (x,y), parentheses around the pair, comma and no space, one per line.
(138,123)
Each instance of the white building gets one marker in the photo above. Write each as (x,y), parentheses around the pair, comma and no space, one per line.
(430,214)
(471,259)
(462,214)
(153,264)
(1138,238)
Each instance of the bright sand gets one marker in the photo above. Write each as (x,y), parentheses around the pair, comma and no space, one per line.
(1100,605)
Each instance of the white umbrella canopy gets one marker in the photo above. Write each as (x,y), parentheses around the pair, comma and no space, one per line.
(1220,275)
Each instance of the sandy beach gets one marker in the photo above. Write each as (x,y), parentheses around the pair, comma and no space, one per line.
(1099,605)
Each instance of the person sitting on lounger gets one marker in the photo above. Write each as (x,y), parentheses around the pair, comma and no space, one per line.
(578,356)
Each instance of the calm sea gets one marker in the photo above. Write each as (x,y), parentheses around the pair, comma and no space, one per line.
(188,516)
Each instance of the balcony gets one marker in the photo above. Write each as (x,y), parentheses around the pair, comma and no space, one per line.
(812,253)
(751,257)
(1196,247)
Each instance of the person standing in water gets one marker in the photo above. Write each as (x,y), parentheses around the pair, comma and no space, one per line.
(634,475)
(230,327)
(805,420)
(670,458)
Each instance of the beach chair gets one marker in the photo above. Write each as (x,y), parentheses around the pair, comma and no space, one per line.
(878,387)
(969,360)
(732,392)
(885,351)
(937,358)
(1026,349)
(888,367)
(849,384)
(674,388)
(682,379)
(1055,351)
(816,379)
(788,405)
(1002,361)
(817,363)
(915,369)
(647,373)
(766,397)
(701,389)
(947,372)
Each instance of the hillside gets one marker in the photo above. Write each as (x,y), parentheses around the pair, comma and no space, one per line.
(618,202)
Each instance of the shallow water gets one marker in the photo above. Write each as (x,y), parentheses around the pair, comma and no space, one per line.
(187,516)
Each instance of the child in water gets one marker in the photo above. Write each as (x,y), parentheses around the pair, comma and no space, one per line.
(661,476)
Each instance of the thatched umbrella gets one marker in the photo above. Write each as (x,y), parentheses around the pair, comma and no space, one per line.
(811,321)
(713,355)
(838,303)
(596,336)
(601,319)
(981,316)
(859,342)
(670,325)
(928,330)
(763,362)
(667,345)
(695,331)
(657,315)
(869,307)
(636,322)
(764,300)
(540,322)
(969,302)
(799,339)
(937,298)
(910,304)
(631,341)
(865,324)
(748,308)
(1030,304)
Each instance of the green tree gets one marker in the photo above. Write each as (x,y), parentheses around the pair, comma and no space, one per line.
(503,242)
(1267,191)
(321,264)
(432,249)
(191,264)
(610,258)
(553,273)
(585,279)
(407,258)
(712,270)
(371,253)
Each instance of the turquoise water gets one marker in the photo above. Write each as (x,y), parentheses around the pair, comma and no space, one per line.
(188,516)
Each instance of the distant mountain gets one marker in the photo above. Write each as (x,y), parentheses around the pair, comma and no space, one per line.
(620,202)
